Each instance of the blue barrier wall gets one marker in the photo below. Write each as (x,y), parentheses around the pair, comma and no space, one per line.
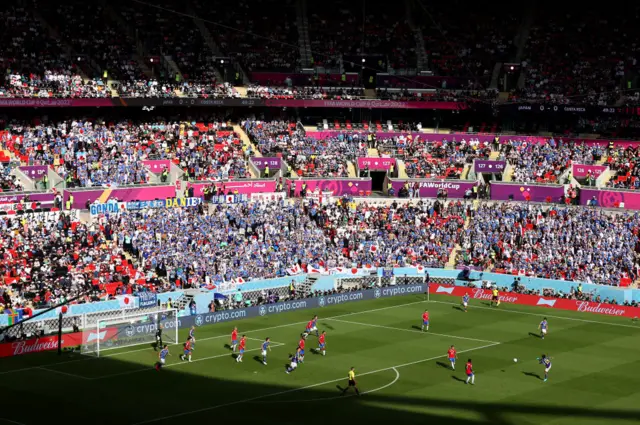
(325,283)
(619,294)
(203,301)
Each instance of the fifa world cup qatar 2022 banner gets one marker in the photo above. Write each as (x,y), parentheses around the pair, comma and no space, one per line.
(338,187)
(611,198)
(123,194)
(243,187)
(429,188)
(526,192)
(536,300)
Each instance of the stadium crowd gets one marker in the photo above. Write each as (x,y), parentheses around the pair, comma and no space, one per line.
(624,161)
(306,155)
(444,158)
(545,162)
(90,153)
(559,243)
(334,93)
(50,257)
(267,240)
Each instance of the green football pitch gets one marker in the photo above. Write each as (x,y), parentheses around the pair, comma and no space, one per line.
(403,373)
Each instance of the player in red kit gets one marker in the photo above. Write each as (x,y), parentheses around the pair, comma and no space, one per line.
(453,356)
(188,348)
(469,371)
(425,320)
(322,343)
(301,347)
(234,339)
(243,342)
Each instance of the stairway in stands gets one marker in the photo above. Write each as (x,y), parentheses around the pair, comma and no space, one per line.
(306,286)
(304,42)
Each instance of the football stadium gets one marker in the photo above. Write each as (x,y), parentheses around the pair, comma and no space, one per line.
(339,212)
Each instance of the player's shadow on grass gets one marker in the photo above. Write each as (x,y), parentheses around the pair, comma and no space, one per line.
(535,335)
(457,378)
(416,327)
(328,326)
(443,365)
(227,346)
(258,359)
(532,374)
(457,307)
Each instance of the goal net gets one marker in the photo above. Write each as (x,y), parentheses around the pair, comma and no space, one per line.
(130,330)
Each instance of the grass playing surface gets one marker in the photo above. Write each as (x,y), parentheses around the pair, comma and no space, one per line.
(403,373)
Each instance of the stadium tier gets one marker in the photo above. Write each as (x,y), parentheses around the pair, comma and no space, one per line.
(243,211)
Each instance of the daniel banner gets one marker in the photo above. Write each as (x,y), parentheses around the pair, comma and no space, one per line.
(117,207)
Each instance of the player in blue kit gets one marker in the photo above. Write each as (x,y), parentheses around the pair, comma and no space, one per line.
(265,346)
(162,357)
(192,337)
(293,362)
(546,362)
(465,302)
(543,327)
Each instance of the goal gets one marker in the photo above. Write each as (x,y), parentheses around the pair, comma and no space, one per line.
(129,330)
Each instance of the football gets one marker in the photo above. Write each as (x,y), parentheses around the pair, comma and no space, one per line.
(515,360)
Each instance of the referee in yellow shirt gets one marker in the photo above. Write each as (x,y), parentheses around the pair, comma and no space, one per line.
(352,382)
(496,297)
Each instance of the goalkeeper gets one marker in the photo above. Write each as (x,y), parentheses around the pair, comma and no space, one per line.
(159,343)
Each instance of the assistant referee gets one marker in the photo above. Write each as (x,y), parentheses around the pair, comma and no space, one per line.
(352,382)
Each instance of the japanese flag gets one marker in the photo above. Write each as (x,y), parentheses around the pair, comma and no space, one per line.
(238,280)
(420,269)
(126,301)
(373,249)
(294,270)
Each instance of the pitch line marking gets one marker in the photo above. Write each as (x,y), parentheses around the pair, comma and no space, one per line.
(204,339)
(412,331)
(59,372)
(338,397)
(181,363)
(541,314)
(291,390)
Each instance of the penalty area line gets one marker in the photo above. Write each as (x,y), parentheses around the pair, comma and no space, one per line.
(181,363)
(541,314)
(413,331)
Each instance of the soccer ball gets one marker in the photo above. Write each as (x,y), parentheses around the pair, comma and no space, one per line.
(515,360)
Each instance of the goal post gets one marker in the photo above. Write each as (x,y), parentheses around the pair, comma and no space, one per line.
(130,330)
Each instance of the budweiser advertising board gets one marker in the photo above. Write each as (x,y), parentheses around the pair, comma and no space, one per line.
(49,343)
(536,300)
